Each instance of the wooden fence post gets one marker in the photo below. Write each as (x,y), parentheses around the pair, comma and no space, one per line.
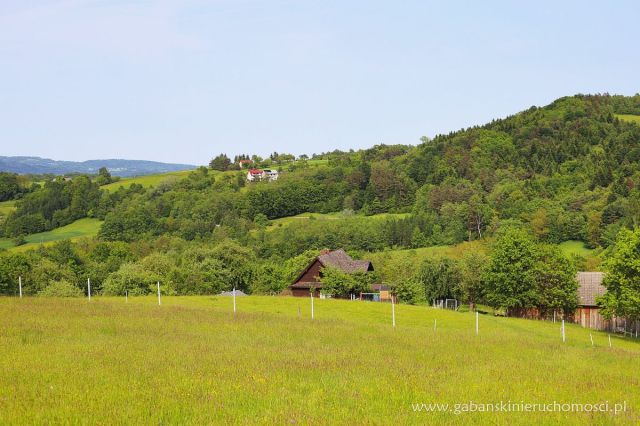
(393,311)
(477,323)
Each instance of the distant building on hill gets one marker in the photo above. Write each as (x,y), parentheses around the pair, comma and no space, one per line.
(270,175)
(255,175)
(244,163)
(310,277)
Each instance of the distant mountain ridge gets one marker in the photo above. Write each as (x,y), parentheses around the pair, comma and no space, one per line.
(117,167)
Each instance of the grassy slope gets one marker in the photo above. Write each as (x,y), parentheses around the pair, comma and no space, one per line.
(629,117)
(193,361)
(278,223)
(147,181)
(577,248)
(6,207)
(153,180)
(78,229)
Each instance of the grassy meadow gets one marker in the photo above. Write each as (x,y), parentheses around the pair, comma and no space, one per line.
(192,361)
(284,221)
(80,228)
(629,117)
(147,181)
(6,207)
(576,247)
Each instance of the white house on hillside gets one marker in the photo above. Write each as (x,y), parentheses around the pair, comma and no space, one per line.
(254,175)
(270,175)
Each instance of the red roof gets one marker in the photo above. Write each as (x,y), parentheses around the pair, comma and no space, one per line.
(255,171)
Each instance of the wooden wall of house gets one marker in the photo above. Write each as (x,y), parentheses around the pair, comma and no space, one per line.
(311,275)
(304,292)
(385,295)
(590,317)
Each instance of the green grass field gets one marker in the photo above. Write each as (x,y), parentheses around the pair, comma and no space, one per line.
(284,221)
(192,361)
(629,117)
(592,260)
(76,230)
(147,181)
(576,247)
(6,207)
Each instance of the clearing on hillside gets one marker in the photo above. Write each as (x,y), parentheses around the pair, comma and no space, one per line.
(193,361)
(6,207)
(629,117)
(147,181)
(284,221)
(80,228)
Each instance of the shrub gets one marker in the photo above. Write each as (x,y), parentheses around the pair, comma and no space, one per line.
(61,288)
(19,240)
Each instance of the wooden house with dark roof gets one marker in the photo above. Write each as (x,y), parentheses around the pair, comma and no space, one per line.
(310,277)
(588,313)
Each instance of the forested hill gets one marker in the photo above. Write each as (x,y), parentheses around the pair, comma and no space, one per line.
(569,170)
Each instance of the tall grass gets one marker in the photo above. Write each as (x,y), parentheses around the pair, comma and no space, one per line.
(192,361)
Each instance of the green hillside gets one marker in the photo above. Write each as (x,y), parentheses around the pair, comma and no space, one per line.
(311,217)
(6,207)
(576,247)
(154,180)
(78,229)
(147,181)
(192,360)
(629,117)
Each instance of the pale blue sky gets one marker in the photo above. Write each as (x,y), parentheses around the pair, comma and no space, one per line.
(182,80)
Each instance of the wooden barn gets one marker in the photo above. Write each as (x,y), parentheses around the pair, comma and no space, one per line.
(383,292)
(310,277)
(588,314)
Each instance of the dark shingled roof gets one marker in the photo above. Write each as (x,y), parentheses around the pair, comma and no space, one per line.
(341,260)
(589,287)
(380,287)
(335,259)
